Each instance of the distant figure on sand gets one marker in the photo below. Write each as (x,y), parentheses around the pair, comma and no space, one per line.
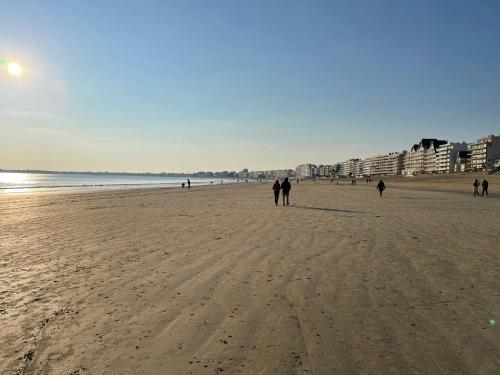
(189,184)
(286,187)
(276,189)
(475,187)
(484,185)
(183,184)
(381,187)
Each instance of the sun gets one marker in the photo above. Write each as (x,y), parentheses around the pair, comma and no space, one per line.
(14,69)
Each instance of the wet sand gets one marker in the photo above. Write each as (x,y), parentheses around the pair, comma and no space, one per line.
(219,280)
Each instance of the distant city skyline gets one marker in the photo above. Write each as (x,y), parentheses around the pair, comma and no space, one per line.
(187,87)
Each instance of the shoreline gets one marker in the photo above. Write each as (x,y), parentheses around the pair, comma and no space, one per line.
(76,189)
(446,183)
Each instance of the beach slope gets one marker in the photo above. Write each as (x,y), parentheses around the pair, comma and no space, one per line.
(219,280)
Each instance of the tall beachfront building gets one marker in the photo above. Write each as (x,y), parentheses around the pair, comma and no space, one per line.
(350,168)
(306,170)
(257,174)
(278,173)
(243,174)
(462,161)
(446,156)
(390,164)
(327,170)
(484,152)
(422,157)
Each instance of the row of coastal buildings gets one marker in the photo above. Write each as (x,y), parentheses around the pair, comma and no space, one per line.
(430,155)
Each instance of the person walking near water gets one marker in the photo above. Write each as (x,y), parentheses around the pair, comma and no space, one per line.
(189,184)
(484,185)
(286,187)
(475,187)
(381,187)
(276,189)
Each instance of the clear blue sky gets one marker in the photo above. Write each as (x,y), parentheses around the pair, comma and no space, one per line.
(212,85)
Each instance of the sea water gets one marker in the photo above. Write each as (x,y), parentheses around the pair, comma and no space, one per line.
(13,182)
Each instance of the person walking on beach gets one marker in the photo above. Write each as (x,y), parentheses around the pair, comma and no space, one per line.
(484,185)
(475,187)
(189,184)
(276,189)
(286,187)
(381,187)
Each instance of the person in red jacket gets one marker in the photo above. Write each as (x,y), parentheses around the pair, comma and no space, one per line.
(276,188)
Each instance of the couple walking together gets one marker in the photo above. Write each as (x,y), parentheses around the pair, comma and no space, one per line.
(475,187)
(285,187)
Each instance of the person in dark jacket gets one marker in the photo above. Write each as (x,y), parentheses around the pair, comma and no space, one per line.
(484,185)
(475,187)
(381,187)
(286,187)
(276,189)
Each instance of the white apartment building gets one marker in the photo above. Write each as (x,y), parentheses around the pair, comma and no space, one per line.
(350,168)
(446,156)
(326,170)
(256,174)
(462,161)
(422,157)
(367,168)
(306,170)
(496,165)
(243,174)
(390,164)
(484,152)
(278,173)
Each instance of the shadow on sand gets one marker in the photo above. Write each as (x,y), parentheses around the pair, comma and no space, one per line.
(330,209)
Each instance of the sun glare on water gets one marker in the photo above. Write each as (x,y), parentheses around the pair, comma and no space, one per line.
(14,178)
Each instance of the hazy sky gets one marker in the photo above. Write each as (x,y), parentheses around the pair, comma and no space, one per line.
(213,85)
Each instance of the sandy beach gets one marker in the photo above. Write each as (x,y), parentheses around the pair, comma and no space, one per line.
(217,280)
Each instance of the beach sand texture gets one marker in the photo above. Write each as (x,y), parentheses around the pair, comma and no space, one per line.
(219,280)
